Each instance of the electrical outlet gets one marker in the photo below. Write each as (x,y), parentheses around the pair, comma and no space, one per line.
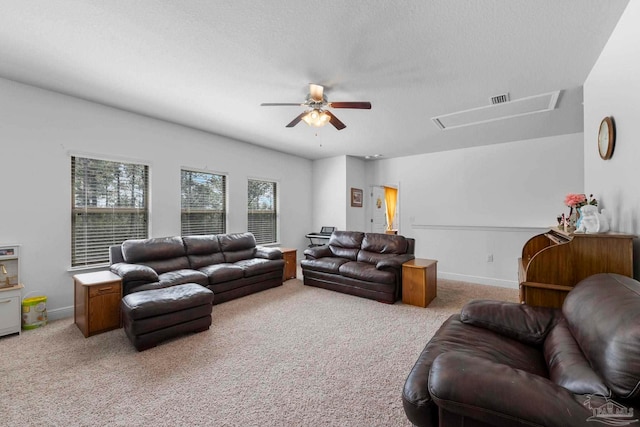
(490,258)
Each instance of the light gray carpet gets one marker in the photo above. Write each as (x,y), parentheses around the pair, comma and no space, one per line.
(289,356)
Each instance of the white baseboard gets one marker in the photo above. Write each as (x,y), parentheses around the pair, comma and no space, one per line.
(64,312)
(60,313)
(480,280)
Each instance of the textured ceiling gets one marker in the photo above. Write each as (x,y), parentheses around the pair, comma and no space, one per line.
(209,64)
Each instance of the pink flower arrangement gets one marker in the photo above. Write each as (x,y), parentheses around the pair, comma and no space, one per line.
(573,200)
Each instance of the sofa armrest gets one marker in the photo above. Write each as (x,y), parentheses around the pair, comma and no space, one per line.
(134,272)
(317,252)
(268,253)
(394,262)
(497,394)
(518,321)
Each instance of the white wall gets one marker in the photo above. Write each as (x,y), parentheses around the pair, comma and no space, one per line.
(613,89)
(356,179)
(38,131)
(463,205)
(333,179)
(329,201)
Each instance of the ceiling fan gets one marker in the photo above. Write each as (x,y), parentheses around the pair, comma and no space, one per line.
(316,113)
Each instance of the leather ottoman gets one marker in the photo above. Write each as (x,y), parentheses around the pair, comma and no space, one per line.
(152,316)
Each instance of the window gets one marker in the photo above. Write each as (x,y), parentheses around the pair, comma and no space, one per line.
(109,205)
(204,203)
(263,211)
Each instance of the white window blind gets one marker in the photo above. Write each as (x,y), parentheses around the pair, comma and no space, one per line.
(263,212)
(204,203)
(109,205)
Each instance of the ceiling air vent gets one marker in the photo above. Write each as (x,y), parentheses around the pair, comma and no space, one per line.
(498,111)
(499,99)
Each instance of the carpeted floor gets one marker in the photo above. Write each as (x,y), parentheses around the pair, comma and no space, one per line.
(290,356)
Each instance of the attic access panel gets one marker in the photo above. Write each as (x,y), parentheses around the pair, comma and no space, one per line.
(520,107)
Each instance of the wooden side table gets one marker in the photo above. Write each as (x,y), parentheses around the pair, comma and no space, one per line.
(290,257)
(97,302)
(419,281)
(11,309)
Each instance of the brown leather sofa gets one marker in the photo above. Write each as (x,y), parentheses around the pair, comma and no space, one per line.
(364,264)
(231,265)
(508,364)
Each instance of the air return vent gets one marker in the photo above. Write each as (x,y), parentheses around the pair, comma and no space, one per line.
(499,111)
(499,99)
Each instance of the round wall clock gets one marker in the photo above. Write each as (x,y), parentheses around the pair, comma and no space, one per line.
(606,138)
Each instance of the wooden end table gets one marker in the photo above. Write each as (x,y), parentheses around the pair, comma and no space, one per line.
(290,257)
(97,299)
(419,281)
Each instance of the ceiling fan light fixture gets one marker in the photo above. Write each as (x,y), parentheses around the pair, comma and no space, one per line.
(316,118)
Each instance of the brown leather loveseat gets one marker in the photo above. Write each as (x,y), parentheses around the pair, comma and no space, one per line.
(363,264)
(508,364)
(231,265)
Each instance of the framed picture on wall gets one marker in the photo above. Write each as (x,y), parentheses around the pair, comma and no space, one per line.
(356,197)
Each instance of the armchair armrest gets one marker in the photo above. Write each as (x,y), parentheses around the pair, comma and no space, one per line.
(317,252)
(268,253)
(394,262)
(134,272)
(497,394)
(519,321)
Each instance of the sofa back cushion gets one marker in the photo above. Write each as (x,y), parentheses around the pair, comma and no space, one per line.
(603,315)
(567,365)
(203,250)
(346,244)
(237,246)
(162,253)
(377,246)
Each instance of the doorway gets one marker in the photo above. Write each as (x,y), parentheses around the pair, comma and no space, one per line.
(378,211)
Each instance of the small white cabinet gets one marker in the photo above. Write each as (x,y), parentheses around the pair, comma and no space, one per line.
(10,290)
(10,309)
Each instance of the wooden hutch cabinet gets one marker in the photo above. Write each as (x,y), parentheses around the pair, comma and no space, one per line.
(554,262)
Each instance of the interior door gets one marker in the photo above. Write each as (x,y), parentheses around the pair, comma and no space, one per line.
(378,219)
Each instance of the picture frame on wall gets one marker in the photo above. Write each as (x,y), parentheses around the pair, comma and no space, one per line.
(356,197)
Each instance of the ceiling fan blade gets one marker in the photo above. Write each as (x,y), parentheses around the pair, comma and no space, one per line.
(279,104)
(359,105)
(316,92)
(335,121)
(296,120)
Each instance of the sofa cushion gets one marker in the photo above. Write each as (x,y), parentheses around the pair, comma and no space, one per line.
(219,273)
(519,321)
(203,250)
(168,265)
(162,254)
(567,365)
(372,257)
(611,343)
(237,246)
(256,266)
(366,272)
(138,251)
(384,243)
(178,277)
(346,244)
(327,264)
(141,305)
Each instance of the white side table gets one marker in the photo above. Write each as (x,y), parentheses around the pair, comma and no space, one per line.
(10,309)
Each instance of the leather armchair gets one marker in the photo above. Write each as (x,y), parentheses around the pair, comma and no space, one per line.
(508,364)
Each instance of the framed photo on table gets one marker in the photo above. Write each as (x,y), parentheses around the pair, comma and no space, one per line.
(356,197)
